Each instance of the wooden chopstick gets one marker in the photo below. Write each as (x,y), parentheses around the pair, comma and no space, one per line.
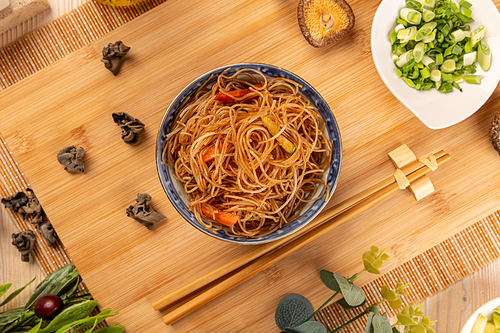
(334,215)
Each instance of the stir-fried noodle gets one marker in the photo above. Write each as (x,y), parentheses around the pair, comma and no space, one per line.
(249,173)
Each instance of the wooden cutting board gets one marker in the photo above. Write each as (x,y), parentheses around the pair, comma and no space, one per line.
(127,266)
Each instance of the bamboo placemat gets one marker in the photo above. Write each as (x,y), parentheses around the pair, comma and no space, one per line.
(428,273)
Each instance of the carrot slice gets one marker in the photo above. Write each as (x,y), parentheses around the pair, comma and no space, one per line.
(229,96)
(225,218)
(210,154)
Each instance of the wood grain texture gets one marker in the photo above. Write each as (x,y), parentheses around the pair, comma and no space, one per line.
(455,304)
(125,265)
(12,270)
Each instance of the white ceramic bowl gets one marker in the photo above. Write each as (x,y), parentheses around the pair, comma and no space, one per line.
(437,110)
(487,311)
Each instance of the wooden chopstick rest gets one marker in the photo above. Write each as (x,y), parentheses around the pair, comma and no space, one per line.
(403,156)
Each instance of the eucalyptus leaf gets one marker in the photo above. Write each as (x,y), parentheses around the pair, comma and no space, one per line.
(53,283)
(353,295)
(37,327)
(374,309)
(369,326)
(15,293)
(4,288)
(308,327)
(329,280)
(343,303)
(381,324)
(292,310)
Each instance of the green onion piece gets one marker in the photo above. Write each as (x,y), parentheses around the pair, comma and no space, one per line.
(414,75)
(468,47)
(484,55)
(445,29)
(398,72)
(393,37)
(477,35)
(454,84)
(425,73)
(425,31)
(409,82)
(399,27)
(430,38)
(436,75)
(465,4)
(469,58)
(458,35)
(446,77)
(466,11)
(404,58)
(429,4)
(414,4)
(428,61)
(411,16)
(418,52)
(457,77)
(448,66)
(439,59)
(405,35)
(403,22)
(428,15)
(474,79)
(446,87)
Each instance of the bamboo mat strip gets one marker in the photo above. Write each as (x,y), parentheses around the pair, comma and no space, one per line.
(427,273)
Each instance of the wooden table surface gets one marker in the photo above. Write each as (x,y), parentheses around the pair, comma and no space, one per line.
(451,307)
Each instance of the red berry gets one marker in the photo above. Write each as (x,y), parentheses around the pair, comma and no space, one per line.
(48,306)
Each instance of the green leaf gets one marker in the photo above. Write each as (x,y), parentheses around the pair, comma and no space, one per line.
(397,304)
(292,310)
(343,303)
(369,326)
(11,315)
(395,330)
(374,309)
(353,295)
(110,329)
(388,294)
(92,328)
(53,283)
(417,329)
(4,288)
(103,312)
(329,280)
(37,327)
(308,327)
(381,324)
(15,293)
(369,266)
(406,320)
(85,321)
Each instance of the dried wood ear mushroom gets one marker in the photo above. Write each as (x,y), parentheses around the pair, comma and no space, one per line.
(71,158)
(112,56)
(24,242)
(15,201)
(131,127)
(143,213)
(495,132)
(324,22)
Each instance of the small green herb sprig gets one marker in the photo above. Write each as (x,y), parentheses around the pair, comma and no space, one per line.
(76,314)
(294,313)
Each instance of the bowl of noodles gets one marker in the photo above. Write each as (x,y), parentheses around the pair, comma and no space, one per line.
(249,153)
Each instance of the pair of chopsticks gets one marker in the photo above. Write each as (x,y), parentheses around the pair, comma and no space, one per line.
(261,257)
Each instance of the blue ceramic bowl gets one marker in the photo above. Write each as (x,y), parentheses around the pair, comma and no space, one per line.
(174,189)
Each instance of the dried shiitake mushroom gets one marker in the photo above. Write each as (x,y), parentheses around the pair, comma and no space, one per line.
(495,132)
(324,22)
